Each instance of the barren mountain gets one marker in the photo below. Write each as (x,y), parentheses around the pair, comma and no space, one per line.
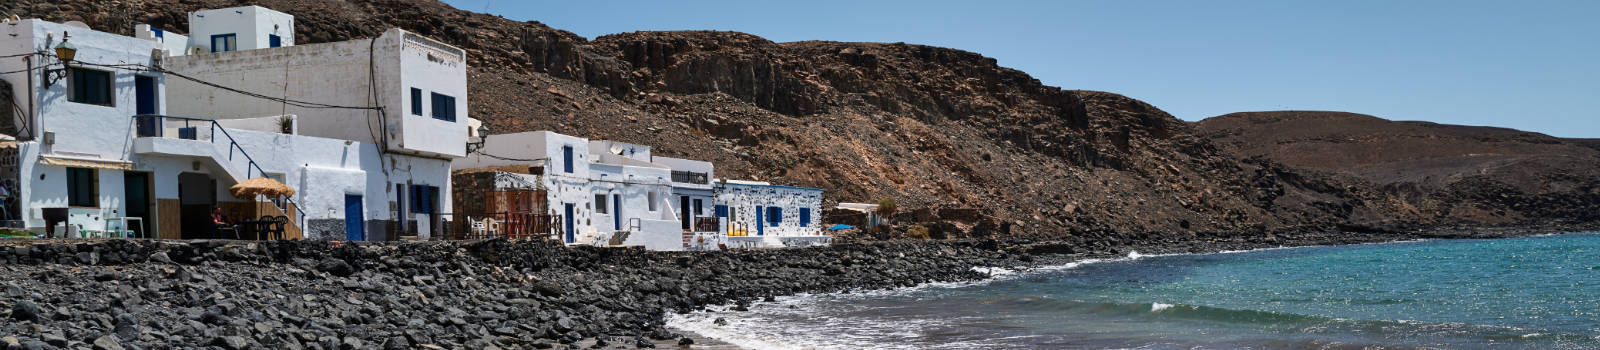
(932,127)
(1449,172)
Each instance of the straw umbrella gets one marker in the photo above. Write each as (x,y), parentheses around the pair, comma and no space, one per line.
(262,186)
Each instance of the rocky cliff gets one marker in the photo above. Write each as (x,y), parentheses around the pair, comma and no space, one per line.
(929,126)
(1448,173)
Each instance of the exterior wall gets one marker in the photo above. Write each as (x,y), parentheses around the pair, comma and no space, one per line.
(628,150)
(174,43)
(80,130)
(743,199)
(341,73)
(251,25)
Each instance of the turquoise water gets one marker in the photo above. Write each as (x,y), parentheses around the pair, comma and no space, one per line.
(1521,293)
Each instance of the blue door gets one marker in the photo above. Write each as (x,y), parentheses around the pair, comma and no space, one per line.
(761,218)
(616,212)
(567,220)
(144,90)
(353,228)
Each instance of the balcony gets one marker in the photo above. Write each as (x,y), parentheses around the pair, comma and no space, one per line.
(690,177)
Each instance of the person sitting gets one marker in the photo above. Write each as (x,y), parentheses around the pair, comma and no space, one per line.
(222,223)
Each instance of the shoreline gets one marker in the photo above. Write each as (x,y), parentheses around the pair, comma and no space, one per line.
(509,294)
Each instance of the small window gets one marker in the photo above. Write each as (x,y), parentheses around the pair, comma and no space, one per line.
(89,86)
(444,107)
(774,216)
(566,158)
(699,208)
(273,40)
(721,211)
(83,189)
(416,102)
(652,199)
(805,217)
(224,42)
(600,203)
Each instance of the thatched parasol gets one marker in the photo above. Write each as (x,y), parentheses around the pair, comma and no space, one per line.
(264,186)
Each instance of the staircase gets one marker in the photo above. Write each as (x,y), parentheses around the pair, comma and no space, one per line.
(206,139)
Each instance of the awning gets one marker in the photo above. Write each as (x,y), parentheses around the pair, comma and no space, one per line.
(86,162)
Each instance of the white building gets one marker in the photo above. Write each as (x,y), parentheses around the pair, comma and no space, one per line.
(75,156)
(397,104)
(614,193)
(602,192)
(341,123)
(760,214)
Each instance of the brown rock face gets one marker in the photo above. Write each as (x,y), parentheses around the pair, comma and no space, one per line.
(1451,173)
(929,126)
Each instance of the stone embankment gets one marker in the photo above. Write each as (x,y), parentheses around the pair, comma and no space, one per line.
(131,294)
(126,294)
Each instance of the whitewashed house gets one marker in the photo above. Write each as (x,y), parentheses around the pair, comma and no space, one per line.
(371,125)
(75,162)
(601,192)
(760,214)
(612,193)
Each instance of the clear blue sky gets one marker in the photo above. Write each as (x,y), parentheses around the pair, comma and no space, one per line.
(1531,65)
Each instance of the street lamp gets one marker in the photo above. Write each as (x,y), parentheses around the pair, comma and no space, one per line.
(483,137)
(64,52)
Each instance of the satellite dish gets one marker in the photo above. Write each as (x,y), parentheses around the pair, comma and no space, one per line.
(77,24)
(616,149)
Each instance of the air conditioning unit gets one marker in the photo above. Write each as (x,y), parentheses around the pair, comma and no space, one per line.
(156,55)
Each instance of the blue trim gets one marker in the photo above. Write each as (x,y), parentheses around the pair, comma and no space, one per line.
(234,47)
(566,158)
(416,102)
(159,33)
(444,107)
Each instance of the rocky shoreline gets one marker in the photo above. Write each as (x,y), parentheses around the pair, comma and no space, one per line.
(128,294)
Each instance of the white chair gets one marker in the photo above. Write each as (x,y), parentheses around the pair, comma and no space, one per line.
(479,228)
(491,226)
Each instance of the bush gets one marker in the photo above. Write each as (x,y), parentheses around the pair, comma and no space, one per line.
(918,232)
(887,207)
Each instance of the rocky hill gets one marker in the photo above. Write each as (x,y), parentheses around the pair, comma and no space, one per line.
(929,126)
(1450,173)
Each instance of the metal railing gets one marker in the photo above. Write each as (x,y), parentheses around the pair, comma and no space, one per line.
(511,226)
(690,177)
(706,224)
(153,125)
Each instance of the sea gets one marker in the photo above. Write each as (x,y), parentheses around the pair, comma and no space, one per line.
(1540,292)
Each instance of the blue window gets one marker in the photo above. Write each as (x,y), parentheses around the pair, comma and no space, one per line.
(273,40)
(722,211)
(224,42)
(416,102)
(444,107)
(566,159)
(805,217)
(774,216)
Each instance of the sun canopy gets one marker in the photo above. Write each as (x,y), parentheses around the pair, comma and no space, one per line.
(262,186)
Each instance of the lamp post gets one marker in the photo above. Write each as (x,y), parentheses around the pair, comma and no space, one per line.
(483,137)
(65,52)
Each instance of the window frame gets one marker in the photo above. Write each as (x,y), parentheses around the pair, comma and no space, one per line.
(699,206)
(273,40)
(774,216)
(110,91)
(566,158)
(232,42)
(805,217)
(600,205)
(652,197)
(416,102)
(74,196)
(443,107)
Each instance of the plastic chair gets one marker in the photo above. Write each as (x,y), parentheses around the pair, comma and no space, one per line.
(278,223)
(493,227)
(479,228)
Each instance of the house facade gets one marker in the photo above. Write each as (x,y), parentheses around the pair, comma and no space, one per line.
(132,136)
(397,103)
(612,193)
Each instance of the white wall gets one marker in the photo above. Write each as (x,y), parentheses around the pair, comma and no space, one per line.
(81,130)
(743,200)
(251,25)
(341,74)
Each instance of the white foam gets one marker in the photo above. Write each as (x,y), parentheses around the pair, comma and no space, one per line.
(1157,307)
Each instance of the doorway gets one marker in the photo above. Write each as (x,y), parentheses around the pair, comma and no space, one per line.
(144,88)
(354,228)
(197,194)
(761,225)
(567,221)
(683,211)
(136,186)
